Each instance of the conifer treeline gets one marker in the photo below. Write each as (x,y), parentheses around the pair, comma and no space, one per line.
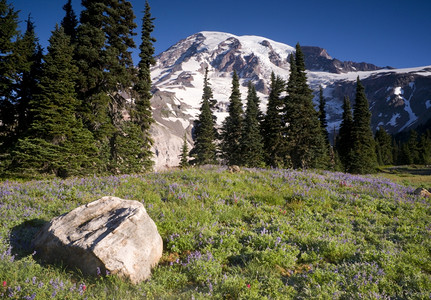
(294,134)
(68,113)
(289,135)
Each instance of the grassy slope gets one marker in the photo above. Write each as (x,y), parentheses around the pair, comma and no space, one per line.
(259,234)
(416,176)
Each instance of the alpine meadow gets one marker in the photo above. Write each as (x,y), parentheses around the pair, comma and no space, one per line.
(270,171)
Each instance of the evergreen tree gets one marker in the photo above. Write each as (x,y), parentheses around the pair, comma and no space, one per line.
(405,156)
(395,151)
(57,142)
(9,66)
(362,155)
(132,152)
(304,135)
(322,116)
(141,114)
(90,53)
(204,150)
(413,146)
(184,162)
(208,93)
(251,142)
(204,132)
(272,127)
(142,87)
(383,147)
(70,22)
(345,142)
(232,126)
(8,58)
(31,53)
(104,38)
(425,148)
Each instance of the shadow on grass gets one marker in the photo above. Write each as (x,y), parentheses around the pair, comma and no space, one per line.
(22,235)
(412,170)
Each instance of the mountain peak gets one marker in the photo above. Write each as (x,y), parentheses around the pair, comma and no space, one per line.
(399,99)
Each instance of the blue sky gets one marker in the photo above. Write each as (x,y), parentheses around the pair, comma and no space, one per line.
(393,33)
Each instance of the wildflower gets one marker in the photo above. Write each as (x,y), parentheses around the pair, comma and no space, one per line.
(4,283)
(248,285)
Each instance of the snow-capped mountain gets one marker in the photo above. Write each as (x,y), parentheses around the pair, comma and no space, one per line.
(400,99)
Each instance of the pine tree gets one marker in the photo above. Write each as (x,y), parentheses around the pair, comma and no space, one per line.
(141,113)
(362,155)
(9,66)
(8,59)
(413,146)
(184,161)
(57,142)
(208,94)
(232,126)
(425,148)
(251,142)
(107,73)
(92,90)
(405,155)
(395,151)
(305,141)
(70,22)
(204,150)
(345,142)
(204,132)
(383,147)
(272,127)
(132,153)
(30,51)
(322,116)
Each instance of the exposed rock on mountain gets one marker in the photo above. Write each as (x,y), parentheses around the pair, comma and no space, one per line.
(400,99)
(317,59)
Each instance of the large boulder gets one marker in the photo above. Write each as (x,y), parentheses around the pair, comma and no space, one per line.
(109,234)
(422,192)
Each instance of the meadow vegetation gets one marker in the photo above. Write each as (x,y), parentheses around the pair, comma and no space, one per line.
(258,234)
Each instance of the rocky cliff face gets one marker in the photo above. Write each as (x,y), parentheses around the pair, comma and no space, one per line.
(317,59)
(399,99)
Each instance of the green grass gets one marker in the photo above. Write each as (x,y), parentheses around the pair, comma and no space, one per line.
(415,176)
(258,234)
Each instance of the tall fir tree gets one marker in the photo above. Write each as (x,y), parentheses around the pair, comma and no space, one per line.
(425,147)
(345,140)
(70,21)
(322,116)
(208,94)
(204,132)
(141,113)
(272,127)
(9,66)
(184,160)
(362,155)
(92,90)
(251,142)
(411,149)
(383,147)
(306,143)
(395,151)
(232,126)
(104,40)
(56,141)
(31,52)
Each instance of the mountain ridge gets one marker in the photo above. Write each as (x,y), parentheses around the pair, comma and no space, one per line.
(400,99)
